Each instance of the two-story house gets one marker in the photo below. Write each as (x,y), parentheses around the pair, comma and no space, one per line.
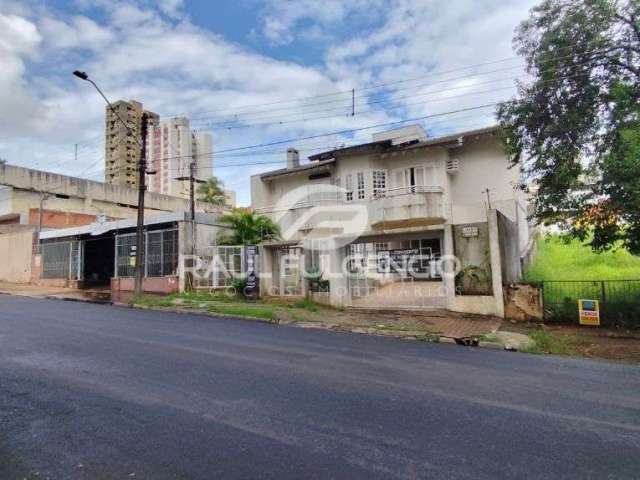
(444,223)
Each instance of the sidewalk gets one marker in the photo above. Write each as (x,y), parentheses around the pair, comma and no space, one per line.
(60,293)
(433,325)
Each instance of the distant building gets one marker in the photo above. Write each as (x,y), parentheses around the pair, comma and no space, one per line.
(172,146)
(70,201)
(123,146)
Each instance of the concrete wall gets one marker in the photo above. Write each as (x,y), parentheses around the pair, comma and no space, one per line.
(20,192)
(509,249)
(16,249)
(473,252)
(158,285)
(58,219)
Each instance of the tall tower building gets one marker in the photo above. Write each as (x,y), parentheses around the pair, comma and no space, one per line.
(171,147)
(122,147)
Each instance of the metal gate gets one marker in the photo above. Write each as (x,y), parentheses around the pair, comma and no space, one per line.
(619,300)
(62,260)
(288,271)
(219,266)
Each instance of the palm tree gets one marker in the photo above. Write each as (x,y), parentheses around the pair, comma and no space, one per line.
(248,227)
(212,191)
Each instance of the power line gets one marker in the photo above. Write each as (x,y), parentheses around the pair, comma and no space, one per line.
(348,100)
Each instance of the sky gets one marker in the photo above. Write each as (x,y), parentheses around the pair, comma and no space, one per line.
(250,72)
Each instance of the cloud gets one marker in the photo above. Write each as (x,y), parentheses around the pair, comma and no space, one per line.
(19,41)
(172,8)
(80,32)
(281,19)
(152,52)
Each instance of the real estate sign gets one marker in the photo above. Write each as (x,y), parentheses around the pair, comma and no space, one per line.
(589,311)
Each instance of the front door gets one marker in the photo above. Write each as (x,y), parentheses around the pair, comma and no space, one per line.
(288,267)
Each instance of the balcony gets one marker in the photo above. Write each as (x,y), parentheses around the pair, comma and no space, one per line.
(407,207)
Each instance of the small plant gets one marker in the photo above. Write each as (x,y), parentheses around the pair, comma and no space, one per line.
(428,337)
(238,284)
(544,342)
(316,283)
(306,304)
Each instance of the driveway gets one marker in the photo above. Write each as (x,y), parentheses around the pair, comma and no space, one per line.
(94,391)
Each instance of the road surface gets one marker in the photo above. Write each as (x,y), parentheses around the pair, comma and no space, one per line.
(100,392)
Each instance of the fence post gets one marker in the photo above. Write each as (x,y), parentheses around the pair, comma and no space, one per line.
(603,300)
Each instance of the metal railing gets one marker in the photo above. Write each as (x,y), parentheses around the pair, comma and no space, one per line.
(619,300)
(161,253)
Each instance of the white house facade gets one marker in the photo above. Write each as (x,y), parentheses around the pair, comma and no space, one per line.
(440,223)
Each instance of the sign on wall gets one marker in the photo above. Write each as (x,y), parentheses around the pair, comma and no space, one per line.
(396,261)
(469,231)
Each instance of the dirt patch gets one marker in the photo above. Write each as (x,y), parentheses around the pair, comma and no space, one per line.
(608,344)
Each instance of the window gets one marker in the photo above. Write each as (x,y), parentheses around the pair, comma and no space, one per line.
(379,183)
(360,178)
(348,185)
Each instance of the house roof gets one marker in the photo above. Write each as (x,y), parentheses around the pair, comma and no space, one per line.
(321,162)
(98,228)
(306,168)
(386,145)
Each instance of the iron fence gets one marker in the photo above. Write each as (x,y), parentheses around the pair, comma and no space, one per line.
(619,300)
(61,260)
(161,254)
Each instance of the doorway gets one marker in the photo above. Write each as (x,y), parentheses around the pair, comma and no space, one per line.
(98,261)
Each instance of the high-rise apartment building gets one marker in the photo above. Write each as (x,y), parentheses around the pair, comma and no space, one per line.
(171,147)
(123,146)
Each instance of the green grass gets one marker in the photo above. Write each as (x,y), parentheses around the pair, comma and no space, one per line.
(223,304)
(258,311)
(545,342)
(558,260)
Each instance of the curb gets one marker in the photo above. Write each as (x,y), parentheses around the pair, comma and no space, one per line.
(204,313)
(80,300)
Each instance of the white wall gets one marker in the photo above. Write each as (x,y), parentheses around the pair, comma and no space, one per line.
(15,256)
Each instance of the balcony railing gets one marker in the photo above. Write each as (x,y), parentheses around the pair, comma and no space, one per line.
(393,208)
(407,207)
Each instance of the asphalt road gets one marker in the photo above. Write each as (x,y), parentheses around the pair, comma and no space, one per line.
(100,392)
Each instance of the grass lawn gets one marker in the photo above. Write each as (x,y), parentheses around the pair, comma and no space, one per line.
(558,260)
(298,310)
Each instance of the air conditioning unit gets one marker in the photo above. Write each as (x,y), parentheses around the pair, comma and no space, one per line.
(453,165)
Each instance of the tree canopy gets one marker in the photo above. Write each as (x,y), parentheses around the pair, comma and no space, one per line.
(248,228)
(212,191)
(575,127)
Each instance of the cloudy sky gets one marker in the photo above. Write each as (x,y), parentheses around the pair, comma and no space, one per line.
(251,72)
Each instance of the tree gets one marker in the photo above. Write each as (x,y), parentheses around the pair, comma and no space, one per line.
(248,227)
(575,128)
(212,191)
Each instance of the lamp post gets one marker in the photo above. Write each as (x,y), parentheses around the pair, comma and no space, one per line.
(142,166)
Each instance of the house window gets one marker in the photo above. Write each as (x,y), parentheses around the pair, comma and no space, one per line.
(379,183)
(360,177)
(336,183)
(348,186)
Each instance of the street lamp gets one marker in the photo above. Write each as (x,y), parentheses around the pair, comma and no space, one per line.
(142,166)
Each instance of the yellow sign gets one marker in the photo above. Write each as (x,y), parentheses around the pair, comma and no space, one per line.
(589,312)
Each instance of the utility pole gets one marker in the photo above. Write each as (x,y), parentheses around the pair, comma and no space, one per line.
(192,195)
(488,193)
(142,167)
(75,157)
(43,198)
(353,102)
(142,171)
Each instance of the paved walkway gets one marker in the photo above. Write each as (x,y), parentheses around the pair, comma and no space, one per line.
(439,322)
(38,291)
